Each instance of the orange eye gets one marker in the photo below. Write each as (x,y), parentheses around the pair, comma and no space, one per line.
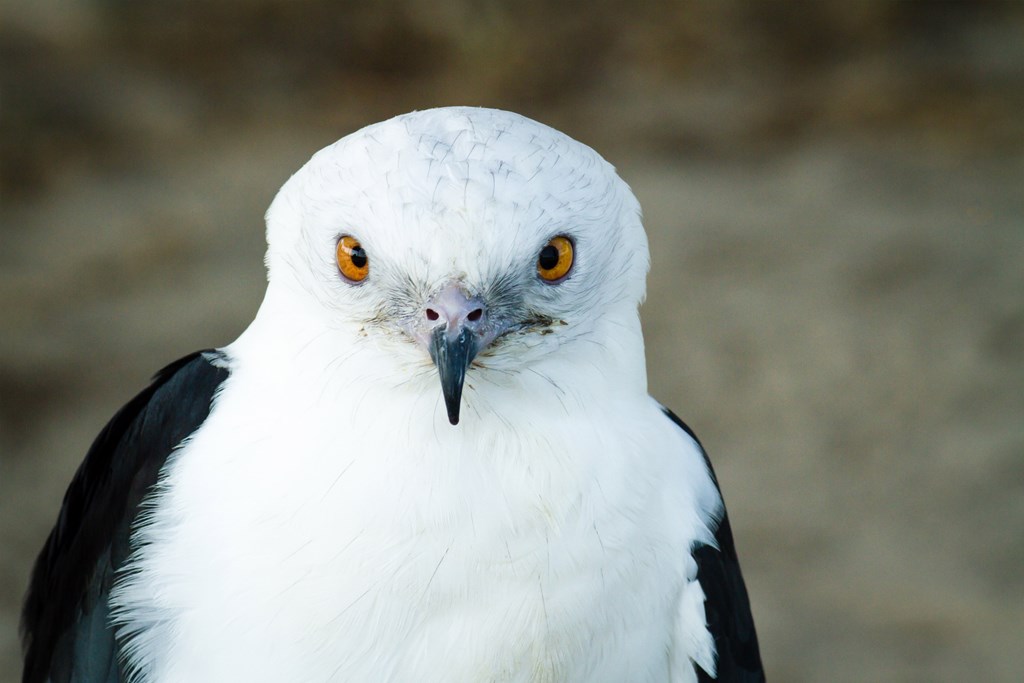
(352,260)
(555,259)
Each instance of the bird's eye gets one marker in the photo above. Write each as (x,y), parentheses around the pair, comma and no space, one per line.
(352,260)
(555,260)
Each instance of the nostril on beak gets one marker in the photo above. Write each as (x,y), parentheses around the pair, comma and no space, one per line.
(454,309)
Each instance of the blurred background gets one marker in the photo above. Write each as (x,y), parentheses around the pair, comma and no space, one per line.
(834,193)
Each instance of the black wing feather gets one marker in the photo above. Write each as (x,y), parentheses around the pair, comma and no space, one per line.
(726,605)
(65,625)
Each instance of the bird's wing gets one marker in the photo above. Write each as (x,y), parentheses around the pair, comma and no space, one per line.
(66,630)
(726,605)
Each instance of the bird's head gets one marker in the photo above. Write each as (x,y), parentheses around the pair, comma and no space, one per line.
(473,245)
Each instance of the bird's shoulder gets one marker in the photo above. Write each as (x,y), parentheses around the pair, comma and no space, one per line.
(726,604)
(65,625)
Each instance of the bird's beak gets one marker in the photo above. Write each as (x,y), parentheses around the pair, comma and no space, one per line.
(452,353)
(456,328)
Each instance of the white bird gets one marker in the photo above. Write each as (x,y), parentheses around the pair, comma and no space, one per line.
(306,504)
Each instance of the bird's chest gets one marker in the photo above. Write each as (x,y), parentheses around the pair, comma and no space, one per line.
(374,566)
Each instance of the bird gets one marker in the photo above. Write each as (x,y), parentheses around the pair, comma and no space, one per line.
(432,455)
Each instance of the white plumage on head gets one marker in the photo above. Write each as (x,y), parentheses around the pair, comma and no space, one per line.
(468,196)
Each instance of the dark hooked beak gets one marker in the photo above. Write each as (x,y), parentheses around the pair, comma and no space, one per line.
(455,328)
(452,355)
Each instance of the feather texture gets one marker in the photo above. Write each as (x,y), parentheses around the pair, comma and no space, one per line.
(66,627)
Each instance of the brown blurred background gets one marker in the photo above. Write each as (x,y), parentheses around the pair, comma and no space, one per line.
(833,192)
